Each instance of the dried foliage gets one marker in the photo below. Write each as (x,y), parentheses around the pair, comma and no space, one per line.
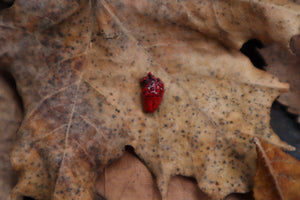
(78,65)
(134,181)
(128,178)
(10,118)
(285,66)
(277,175)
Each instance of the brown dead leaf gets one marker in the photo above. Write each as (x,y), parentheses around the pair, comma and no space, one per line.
(277,175)
(129,178)
(133,180)
(78,64)
(285,66)
(10,119)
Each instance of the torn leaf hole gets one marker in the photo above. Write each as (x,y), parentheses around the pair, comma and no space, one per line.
(250,49)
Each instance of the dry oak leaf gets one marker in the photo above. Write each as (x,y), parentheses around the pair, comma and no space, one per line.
(128,178)
(10,119)
(78,64)
(286,67)
(277,175)
(134,181)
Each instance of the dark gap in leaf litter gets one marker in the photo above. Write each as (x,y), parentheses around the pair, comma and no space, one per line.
(244,196)
(286,127)
(28,198)
(6,4)
(129,149)
(12,83)
(249,49)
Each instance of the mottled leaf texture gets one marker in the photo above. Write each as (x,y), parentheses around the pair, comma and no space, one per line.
(128,178)
(286,67)
(78,66)
(277,175)
(134,181)
(10,119)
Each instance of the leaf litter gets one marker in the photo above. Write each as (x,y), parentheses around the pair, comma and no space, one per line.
(78,64)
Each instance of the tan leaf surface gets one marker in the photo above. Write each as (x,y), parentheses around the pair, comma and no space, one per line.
(277,175)
(134,181)
(10,118)
(78,64)
(285,66)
